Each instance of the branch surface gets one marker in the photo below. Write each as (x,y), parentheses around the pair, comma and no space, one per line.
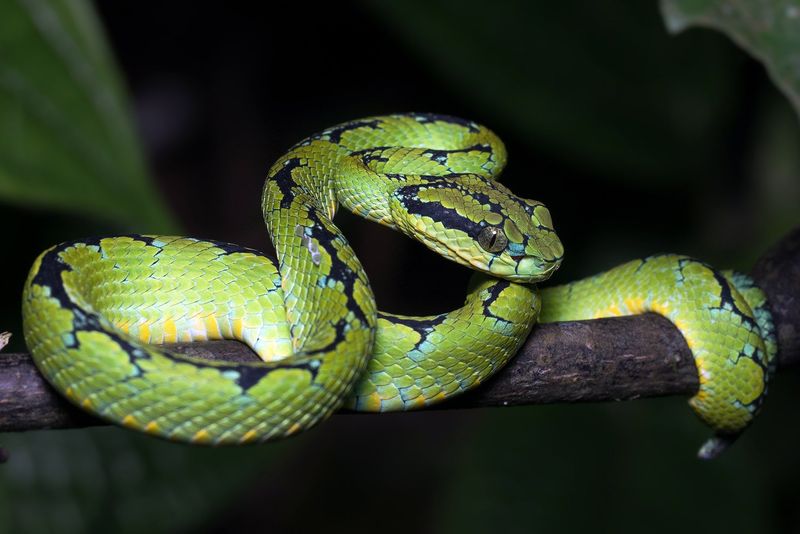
(613,359)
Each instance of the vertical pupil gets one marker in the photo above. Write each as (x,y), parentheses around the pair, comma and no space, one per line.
(493,239)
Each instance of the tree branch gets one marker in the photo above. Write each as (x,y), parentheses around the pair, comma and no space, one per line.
(606,359)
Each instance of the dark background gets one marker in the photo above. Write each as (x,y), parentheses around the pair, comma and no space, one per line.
(638,141)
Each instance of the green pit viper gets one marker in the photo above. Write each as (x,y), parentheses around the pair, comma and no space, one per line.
(95,309)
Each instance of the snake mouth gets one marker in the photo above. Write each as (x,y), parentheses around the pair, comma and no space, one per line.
(533,268)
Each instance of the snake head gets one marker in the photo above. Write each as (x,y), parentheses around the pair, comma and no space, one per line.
(479,223)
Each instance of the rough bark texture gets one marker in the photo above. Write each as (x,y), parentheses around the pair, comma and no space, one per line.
(778,274)
(607,359)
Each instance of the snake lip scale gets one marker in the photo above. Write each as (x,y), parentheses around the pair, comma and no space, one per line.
(96,312)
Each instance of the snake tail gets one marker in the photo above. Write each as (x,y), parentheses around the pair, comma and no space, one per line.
(722,316)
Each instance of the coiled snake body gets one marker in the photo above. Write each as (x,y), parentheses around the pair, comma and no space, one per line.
(93,309)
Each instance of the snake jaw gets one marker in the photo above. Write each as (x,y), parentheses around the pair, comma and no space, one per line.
(526,269)
(544,269)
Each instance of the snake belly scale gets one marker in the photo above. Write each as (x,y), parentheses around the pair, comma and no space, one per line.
(94,310)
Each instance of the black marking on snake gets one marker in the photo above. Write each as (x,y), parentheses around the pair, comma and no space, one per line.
(494,293)
(369,158)
(483,199)
(339,270)
(432,178)
(369,155)
(97,241)
(285,181)
(726,297)
(426,118)
(414,323)
(451,181)
(50,274)
(682,263)
(335,134)
(530,210)
(761,314)
(754,406)
(441,156)
(248,376)
(156,258)
(725,294)
(133,352)
(423,327)
(435,181)
(450,218)
(342,273)
(757,357)
(51,270)
(685,261)
(642,263)
(53,266)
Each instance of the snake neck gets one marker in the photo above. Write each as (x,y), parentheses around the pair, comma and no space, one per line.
(365,165)
(329,303)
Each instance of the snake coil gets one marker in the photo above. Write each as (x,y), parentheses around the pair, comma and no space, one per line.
(95,309)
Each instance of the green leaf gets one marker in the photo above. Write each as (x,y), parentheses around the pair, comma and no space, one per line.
(66,138)
(767,29)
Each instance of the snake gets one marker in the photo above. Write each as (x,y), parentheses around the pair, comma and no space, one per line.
(99,313)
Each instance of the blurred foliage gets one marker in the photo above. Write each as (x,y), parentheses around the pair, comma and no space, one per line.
(111,480)
(624,468)
(611,95)
(769,30)
(775,186)
(601,91)
(68,142)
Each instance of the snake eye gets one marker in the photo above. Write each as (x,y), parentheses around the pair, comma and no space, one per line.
(492,239)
